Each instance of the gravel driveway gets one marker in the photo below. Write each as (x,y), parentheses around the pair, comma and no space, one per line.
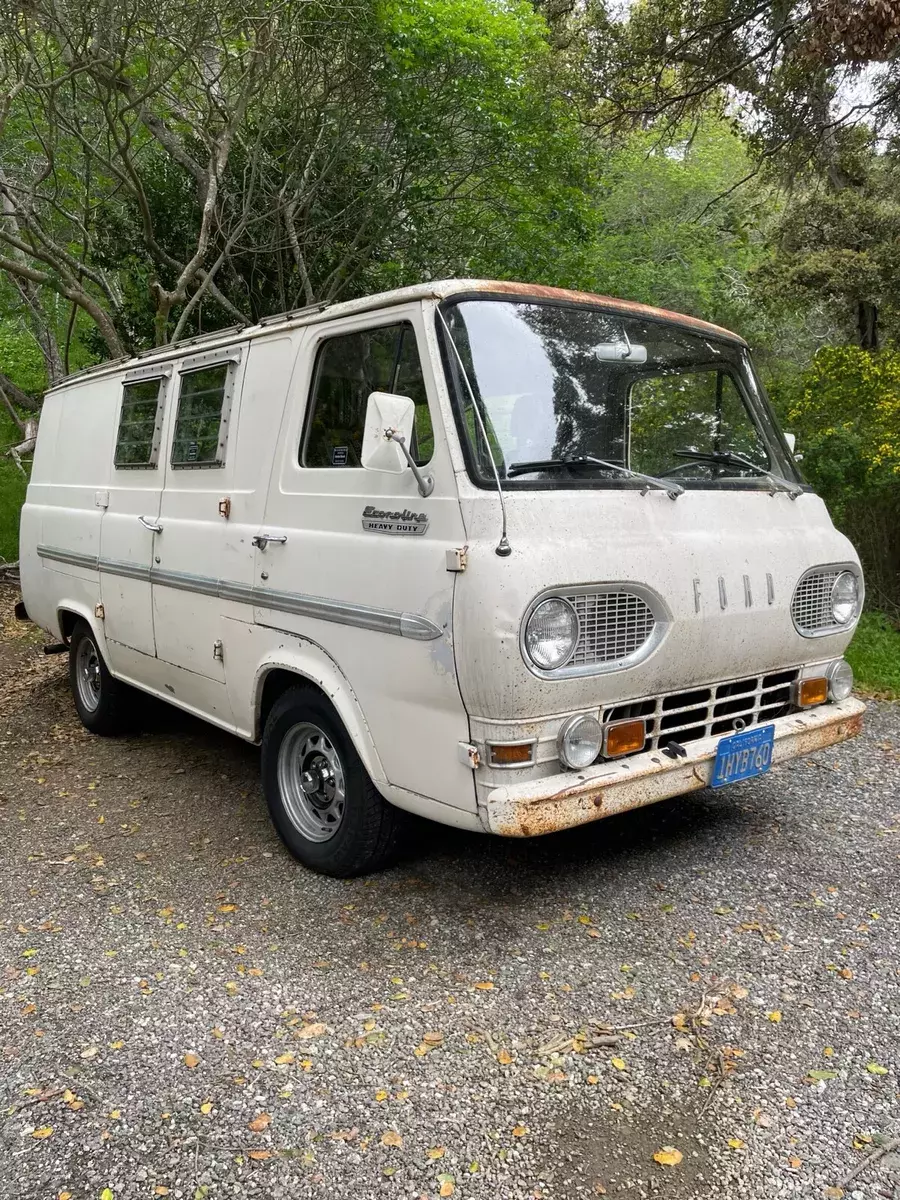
(184,1011)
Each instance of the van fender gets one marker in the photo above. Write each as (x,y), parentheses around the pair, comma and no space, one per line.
(310,662)
(82,611)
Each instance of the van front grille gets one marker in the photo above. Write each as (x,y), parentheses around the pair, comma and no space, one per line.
(613,625)
(706,711)
(811,606)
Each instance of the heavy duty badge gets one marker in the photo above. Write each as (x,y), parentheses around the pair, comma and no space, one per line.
(377,520)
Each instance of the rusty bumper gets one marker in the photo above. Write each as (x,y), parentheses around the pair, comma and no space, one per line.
(574,798)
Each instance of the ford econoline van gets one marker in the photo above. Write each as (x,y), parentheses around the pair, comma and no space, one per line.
(508,557)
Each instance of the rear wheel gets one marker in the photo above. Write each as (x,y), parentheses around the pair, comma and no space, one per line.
(102,702)
(321,800)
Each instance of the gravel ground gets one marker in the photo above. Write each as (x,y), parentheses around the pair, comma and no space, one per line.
(184,1011)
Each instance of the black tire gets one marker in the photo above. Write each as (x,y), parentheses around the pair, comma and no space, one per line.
(105,706)
(305,738)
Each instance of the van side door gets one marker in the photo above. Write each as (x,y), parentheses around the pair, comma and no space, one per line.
(192,544)
(131,517)
(356,560)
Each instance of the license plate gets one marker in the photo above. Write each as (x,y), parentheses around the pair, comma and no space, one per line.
(743,755)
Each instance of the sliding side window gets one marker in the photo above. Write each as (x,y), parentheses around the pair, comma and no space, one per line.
(140,422)
(204,409)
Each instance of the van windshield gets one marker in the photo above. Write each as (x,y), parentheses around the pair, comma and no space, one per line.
(559,387)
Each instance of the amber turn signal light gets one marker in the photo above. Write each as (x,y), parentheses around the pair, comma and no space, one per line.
(812,691)
(511,756)
(624,738)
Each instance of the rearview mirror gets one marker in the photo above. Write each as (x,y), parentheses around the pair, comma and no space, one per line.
(386,436)
(791,439)
(624,351)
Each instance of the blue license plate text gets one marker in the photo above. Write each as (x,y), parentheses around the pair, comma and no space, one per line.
(743,755)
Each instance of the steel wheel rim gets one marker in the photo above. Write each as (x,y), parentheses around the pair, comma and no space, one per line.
(311,782)
(87,674)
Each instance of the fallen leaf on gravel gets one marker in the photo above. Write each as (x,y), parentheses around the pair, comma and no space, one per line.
(736,1143)
(833,1193)
(90,1051)
(436,1152)
(618,1063)
(391,1137)
(107,1194)
(43,1132)
(259,1155)
(231,987)
(285,1060)
(447,1185)
(820,1074)
(774,1016)
(795,1163)
(504,1058)
(485,986)
(668,1156)
(259,1122)
(206,1107)
(160,1190)
(845,973)
(790,1102)
(382,1095)
(519,1130)
(593,1078)
(433,1038)
(64,1196)
(190,1059)
(876,1068)
(227,908)
(314,1029)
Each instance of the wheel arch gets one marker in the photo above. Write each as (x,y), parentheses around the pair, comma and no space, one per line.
(276,676)
(69,613)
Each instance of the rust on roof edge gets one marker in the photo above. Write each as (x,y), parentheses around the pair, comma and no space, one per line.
(540,291)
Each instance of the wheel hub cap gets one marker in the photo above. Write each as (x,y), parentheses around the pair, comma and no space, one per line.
(311,782)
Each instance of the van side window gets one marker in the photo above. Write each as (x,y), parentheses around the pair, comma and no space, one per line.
(201,426)
(140,422)
(350,367)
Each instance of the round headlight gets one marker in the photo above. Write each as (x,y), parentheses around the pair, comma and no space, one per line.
(580,741)
(551,633)
(840,680)
(844,597)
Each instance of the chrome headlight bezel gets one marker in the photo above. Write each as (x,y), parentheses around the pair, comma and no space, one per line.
(567,610)
(830,625)
(575,594)
(582,721)
(853,611)
(840,686)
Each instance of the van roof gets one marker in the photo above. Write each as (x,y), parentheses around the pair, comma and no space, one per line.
(436,290)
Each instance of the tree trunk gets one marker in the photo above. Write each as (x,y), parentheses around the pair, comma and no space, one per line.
(867,324)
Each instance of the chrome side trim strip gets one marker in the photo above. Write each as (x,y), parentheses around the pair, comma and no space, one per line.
(363,616)
(71,557)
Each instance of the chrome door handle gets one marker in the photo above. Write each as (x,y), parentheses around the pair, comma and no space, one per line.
(153,526)
(262,539)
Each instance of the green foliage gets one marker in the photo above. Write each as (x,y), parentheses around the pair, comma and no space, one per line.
(665,237)
(849,414)
(12,492)
(874,655)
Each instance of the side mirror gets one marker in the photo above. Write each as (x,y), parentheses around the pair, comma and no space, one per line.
(791,439)
(386,436)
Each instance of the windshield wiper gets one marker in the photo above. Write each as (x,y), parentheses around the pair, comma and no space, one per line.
(672,490)
(728,458)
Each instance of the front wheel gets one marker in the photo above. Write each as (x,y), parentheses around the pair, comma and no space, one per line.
(102,702)
(321,800)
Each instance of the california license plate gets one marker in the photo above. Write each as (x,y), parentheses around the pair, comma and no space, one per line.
(743,755)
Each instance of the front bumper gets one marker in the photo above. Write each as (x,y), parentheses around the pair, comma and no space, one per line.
(574,798)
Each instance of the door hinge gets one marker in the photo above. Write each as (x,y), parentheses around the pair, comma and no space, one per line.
(225,507)
(218,650)
(468,755)
(457,560)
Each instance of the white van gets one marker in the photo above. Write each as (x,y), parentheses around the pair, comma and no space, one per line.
(505,556)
